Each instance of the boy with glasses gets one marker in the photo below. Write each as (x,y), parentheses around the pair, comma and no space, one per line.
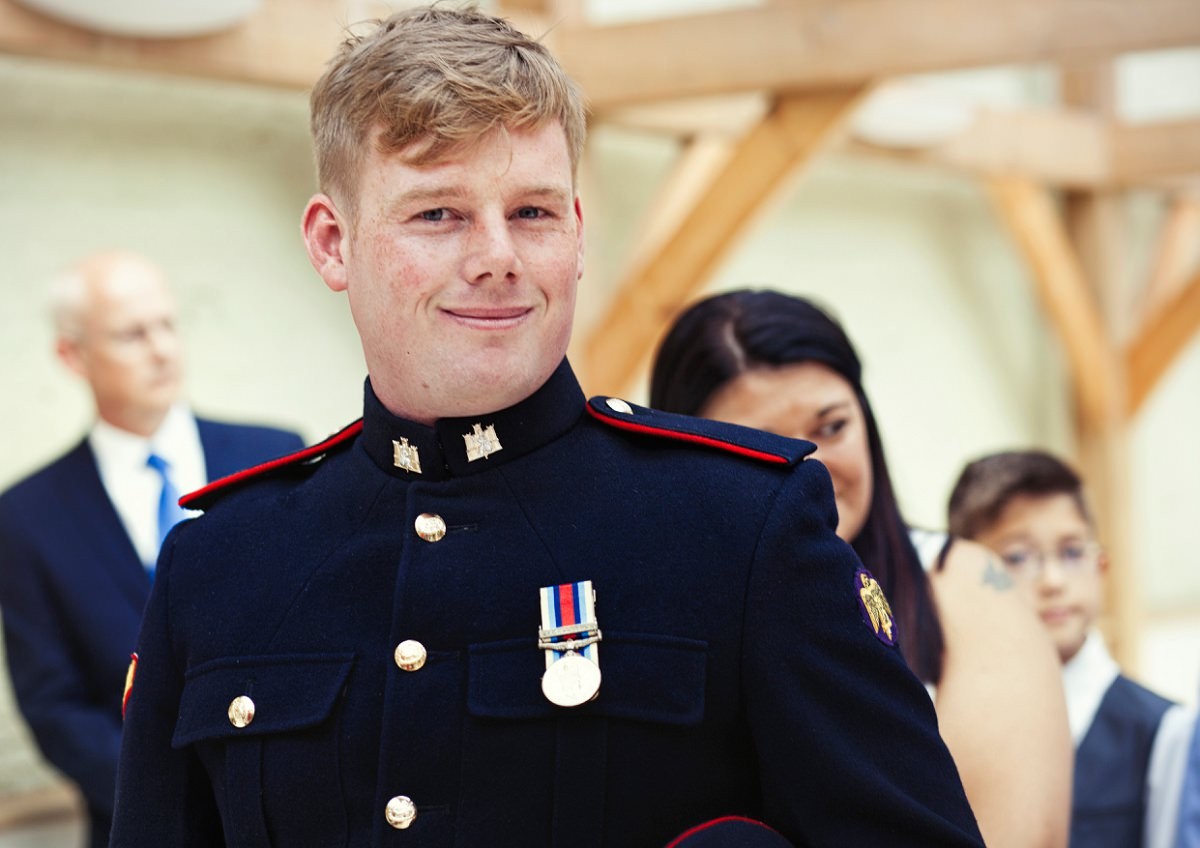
(1029,508)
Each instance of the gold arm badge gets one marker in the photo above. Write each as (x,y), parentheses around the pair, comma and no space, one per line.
(875,608)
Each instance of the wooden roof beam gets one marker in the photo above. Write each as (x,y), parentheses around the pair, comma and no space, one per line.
(1033,218)
(839,43)
(284,44)
(1160,341)
(1145,153)
(1067,148)
(1177,252)
(796,130)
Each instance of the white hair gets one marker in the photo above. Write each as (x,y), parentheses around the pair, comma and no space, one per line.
(68,293)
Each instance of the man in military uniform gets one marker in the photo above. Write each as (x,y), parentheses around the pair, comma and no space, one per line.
(489,613)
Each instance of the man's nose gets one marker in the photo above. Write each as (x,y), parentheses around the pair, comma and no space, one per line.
(491,252)
(163,341)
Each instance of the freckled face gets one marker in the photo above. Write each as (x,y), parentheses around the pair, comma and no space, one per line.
(810,401)
(462,274)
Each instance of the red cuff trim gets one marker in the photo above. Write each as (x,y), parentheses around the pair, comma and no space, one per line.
(678,436)
(678,840)
(299,456)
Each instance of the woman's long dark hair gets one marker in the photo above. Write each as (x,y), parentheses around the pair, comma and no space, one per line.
(723,336)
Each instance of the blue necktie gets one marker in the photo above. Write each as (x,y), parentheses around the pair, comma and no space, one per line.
(1189,801)
(169,511)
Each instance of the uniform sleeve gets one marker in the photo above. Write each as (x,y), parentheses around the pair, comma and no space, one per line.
(164,797)
(81,738)
(846,736)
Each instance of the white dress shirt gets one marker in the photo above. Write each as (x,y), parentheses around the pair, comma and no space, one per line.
(133,487)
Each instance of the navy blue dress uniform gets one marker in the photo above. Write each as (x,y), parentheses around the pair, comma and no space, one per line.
(72,590)
(348,648)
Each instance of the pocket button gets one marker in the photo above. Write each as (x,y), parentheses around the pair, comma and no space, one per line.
(400,812)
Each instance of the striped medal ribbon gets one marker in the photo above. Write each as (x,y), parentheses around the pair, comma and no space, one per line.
(570,635)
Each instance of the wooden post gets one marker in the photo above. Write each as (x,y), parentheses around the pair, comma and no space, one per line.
(1097,224)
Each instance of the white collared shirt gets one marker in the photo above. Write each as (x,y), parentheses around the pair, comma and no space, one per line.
(1086,677)
(133,487)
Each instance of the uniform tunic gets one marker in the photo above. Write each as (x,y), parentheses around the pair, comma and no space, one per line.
(740,675)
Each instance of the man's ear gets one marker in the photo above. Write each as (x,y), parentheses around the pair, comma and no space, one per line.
(69,352)
(325,232)
(579,227)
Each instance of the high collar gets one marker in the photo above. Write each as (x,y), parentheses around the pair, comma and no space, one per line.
(443,448)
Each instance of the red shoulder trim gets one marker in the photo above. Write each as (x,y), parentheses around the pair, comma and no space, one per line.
(687,834)
(694,438)
(200,498)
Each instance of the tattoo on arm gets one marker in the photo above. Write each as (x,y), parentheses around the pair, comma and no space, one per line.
(995,575)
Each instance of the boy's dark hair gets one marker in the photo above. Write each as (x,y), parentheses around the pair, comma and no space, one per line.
(987,485)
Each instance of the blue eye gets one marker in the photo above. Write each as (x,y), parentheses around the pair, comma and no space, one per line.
(434,214)
(529,212)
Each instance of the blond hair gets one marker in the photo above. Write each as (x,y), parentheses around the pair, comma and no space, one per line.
(430,82)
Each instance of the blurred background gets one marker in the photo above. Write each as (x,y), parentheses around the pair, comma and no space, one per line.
(1001,201)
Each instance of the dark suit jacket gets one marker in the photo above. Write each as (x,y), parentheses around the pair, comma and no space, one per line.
(72,589)
(740,676)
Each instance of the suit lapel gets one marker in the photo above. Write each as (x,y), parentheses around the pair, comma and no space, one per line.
(88,508)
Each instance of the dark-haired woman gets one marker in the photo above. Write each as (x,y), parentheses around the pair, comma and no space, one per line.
(779,363)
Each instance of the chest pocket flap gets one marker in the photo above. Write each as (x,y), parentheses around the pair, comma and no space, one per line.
(273,694)
(645,677)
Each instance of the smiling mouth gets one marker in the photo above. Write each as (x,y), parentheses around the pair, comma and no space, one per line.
(489,318)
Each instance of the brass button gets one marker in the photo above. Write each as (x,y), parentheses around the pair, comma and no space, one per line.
(241,711)
(410,655)
(400,812)
(618,405)
(430,527)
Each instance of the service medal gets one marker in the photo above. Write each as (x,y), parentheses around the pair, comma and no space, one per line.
(571,680)
(570,637)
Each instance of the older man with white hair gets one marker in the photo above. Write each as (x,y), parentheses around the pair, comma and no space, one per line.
(79,538)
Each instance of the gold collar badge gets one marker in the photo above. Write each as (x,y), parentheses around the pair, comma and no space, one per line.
(482,442)
(406,456)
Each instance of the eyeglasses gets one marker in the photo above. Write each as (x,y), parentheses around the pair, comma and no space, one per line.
(1072,558)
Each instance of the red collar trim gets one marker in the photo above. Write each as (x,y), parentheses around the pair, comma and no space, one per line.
(678,436)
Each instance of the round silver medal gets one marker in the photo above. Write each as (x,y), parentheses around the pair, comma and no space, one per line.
(572,680)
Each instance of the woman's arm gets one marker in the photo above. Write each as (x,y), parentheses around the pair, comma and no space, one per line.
(1000,704)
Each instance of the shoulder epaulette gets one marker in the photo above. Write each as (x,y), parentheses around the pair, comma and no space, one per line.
(206,497)
(743,441)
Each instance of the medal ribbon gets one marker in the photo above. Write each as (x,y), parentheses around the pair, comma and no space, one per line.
(566,605)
